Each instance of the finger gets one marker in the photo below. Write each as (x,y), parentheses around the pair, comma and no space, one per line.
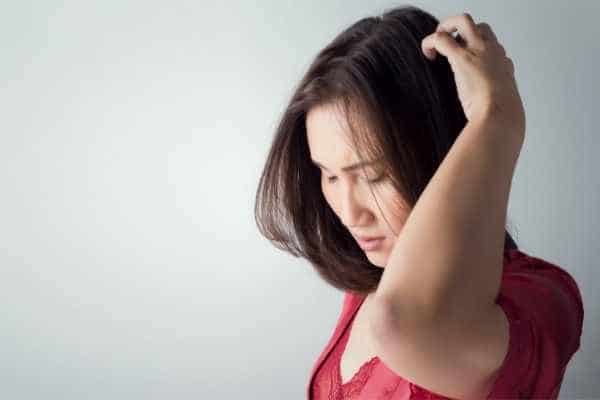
(485,30)
(511,65)
(441,42)
(466,28)
(490,37)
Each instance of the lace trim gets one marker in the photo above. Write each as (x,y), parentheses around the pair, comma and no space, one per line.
(357,381)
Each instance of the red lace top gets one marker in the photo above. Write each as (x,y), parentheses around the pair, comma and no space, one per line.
(544,308)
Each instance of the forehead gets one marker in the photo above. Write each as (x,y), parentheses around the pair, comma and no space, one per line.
(328,136)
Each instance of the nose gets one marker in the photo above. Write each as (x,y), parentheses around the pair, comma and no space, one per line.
(353,210)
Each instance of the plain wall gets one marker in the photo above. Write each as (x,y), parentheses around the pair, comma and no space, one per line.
(132,137)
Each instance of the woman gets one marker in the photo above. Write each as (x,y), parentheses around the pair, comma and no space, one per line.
(394,110)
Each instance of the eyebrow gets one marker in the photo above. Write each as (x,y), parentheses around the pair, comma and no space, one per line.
(348,167)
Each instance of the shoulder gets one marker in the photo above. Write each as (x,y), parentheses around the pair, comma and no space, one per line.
(544,308)
(541,291)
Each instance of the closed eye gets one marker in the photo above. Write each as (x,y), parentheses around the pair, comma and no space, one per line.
(332,179)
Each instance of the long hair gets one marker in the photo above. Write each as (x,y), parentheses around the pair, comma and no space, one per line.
(401,108)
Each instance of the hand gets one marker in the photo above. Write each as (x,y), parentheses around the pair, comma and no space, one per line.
(483,74)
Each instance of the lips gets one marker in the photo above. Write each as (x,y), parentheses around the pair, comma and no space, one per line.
(368,238)
(371,244)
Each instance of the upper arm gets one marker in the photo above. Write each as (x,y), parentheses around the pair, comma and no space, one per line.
(453,358)
(520,345)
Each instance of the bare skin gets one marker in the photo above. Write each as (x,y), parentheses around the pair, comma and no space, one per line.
(488,94)
(359,348)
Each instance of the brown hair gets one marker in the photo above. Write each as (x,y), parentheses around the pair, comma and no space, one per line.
(410,116)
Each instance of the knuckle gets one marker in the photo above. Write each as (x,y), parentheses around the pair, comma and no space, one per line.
(466,56)
(439,35)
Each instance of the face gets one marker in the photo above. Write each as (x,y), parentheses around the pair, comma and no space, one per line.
(347,192)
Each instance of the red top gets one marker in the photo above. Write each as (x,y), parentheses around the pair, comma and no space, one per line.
(544,308)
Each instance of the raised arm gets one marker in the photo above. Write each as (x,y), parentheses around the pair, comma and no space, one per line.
(435,320)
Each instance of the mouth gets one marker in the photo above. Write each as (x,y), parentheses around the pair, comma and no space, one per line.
(370,244)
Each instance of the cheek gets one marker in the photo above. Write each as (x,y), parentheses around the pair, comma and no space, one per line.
(325,191)
(395,208)
(329,197)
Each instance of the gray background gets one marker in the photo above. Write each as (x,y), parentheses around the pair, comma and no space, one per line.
(131,140)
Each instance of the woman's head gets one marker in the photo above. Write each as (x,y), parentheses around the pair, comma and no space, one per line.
(369,95)
(357,189)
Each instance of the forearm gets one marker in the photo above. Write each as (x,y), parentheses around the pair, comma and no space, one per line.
(448,256)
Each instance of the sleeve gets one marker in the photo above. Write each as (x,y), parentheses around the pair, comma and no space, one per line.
(544,308)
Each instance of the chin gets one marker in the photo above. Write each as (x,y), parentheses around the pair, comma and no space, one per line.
(376,261)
